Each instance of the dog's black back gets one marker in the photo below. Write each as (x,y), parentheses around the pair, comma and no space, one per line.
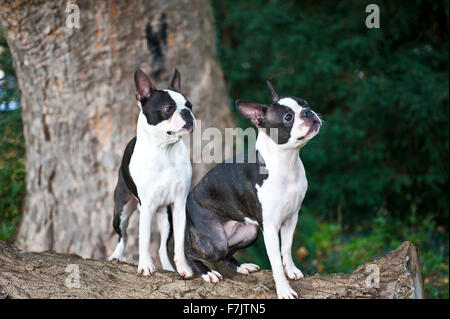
(218,187)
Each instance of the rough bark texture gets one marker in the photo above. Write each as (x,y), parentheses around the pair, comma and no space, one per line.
(43,275)
(79,110)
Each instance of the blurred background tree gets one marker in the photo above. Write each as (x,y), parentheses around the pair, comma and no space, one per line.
(378,171)
(79,111)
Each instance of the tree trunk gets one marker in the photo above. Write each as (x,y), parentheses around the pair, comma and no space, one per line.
(52,275)
(79,109)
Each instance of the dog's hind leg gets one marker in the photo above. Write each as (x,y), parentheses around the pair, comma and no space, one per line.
(162,220)
(120,226)
(240,236)
(124,205)
(210,246)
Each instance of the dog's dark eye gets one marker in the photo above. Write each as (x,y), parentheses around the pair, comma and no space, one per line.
(167,108)
(288,117)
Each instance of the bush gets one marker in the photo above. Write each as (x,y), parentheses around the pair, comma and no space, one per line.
(12,146)
(327,247)
(9,95)
(12,171)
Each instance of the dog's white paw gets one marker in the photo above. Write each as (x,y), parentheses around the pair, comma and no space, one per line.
(247,268)
(146,267)
(212,276)
(185,272)
(293,273)
(183,269)
(286,292)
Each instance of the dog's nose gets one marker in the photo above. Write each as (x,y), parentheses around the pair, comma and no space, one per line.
(189,125)
(186,115)
(306,113)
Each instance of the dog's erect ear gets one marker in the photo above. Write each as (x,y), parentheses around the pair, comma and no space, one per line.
(144,85)
(175,84)
(253,111)
(275,95)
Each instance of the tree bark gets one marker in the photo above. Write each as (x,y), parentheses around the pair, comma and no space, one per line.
(51,275)
(79,109)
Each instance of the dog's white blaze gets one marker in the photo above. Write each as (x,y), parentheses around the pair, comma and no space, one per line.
(179,99)
(299,129)
(290,102)
(176,122)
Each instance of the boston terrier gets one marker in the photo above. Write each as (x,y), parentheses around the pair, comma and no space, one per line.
(155,174)
(260,189)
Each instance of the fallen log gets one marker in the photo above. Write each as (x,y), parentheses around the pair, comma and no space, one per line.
(52,275)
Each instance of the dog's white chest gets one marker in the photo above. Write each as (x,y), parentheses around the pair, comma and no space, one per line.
(160,175)
(282,193)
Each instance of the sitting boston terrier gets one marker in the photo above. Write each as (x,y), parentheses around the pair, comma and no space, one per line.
(263,188)
(155,174)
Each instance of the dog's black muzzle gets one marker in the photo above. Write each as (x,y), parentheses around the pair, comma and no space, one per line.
(186,115)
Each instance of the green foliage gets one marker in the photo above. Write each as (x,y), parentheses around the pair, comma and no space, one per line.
(8,88)
(329,248)
(383,94)
(12,171)
(12,147)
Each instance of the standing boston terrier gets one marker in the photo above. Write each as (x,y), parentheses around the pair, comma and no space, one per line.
(263,188)
(156,173)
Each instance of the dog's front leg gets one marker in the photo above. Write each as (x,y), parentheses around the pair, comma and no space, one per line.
(179,227)
(146,266)
(162,220)
(287,235)
(272,242)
